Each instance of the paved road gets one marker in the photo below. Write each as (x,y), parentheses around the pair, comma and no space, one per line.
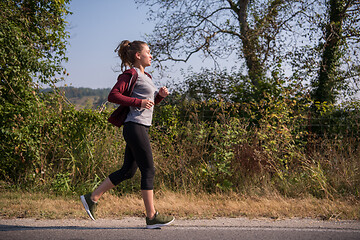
(221,228)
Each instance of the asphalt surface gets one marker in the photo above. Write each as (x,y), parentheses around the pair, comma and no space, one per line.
(220,228)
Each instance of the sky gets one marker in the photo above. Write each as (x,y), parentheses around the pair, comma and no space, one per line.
(96,28)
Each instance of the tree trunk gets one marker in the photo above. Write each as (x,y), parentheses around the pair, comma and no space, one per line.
(325,87)
(250,44)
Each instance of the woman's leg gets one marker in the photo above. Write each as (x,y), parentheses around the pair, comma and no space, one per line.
(106,185)
(148,197)
(136,136)
(127,171)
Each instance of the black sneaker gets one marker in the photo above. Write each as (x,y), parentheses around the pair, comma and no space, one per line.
(89,205)
(159,221)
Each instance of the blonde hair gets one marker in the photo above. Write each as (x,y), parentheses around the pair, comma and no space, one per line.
(126,50)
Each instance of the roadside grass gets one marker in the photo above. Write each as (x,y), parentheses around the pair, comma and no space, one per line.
(19,204)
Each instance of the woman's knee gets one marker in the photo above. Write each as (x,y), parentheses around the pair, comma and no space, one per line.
(121,175)
(147,179)
(150,172)
(130,173)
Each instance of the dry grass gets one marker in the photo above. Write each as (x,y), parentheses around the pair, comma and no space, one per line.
(37,205)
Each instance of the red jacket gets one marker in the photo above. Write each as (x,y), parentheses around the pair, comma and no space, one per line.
(120,94)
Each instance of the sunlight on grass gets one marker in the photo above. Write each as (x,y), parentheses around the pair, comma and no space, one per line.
(15,204)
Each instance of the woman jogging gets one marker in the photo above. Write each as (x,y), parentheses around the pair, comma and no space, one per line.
(136,92)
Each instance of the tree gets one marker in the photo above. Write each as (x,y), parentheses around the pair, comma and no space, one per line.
(219,28)
(33,44)
(269,36)
(331,80)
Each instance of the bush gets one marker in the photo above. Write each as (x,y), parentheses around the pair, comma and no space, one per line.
(198,147)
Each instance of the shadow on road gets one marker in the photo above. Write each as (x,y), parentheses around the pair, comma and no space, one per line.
(5,228)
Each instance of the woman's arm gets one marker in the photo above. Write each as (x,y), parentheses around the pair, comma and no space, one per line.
(117,96)
(163,93)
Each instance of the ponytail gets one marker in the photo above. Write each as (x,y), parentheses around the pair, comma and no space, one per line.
(127,50)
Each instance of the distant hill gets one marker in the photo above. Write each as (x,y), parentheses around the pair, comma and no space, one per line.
(85,97)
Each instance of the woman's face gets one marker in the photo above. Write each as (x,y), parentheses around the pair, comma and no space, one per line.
(144,57)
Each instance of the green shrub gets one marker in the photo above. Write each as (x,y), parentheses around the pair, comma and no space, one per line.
(197,147)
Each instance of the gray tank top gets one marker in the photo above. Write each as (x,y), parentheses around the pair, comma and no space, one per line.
(144,89)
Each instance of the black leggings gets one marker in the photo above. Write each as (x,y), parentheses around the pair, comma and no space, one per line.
(137,154)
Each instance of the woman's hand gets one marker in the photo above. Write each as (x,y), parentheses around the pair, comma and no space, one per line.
(147,103)
(164,92)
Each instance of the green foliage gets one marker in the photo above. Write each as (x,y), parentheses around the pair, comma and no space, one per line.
(224,138)
(340,121)
(210,146)
(32,38)
(265,146)
(59,147)
(33,43)
(61,183)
